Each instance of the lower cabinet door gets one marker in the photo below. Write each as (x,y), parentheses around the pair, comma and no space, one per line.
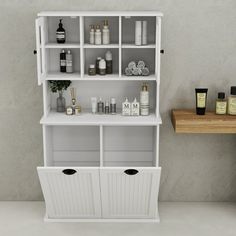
(71,192)
(130,192)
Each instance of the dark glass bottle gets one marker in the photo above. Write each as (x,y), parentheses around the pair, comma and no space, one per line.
(63,61)
(61,33)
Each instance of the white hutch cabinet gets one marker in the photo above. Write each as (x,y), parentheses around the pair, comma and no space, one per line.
(99,167)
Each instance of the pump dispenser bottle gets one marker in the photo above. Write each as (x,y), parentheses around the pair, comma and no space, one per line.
(98,35)
(105,33)
(144,100)
(61,33)
(91,34)
(63,61)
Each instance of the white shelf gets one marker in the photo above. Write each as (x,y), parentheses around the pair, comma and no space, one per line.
(62,45)
(100,13)
(63,76)
(112,77)
(87,45)
(137,47)
(55,118)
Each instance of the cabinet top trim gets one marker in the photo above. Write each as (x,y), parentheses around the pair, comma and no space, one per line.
(100,13)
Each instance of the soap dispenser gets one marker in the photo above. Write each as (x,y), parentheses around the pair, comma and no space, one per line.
(126,111)
(61,33)
(105,33)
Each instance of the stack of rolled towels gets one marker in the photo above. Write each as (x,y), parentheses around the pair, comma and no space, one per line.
(137,69)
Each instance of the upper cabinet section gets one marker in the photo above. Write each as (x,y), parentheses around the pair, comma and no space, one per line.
(119,32)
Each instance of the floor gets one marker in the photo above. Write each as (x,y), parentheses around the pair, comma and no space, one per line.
(185,219)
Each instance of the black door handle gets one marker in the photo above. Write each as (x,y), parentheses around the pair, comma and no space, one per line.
(162,51)
(131,172)
(69,171)
(35,51)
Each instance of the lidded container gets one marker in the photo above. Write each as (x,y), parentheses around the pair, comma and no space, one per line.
(232,101)
(221,104)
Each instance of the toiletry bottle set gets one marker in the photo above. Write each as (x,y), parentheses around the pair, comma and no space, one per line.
(98,36)
(226,106)
(135,108)
(61,33)
(74,108)
(100,107)
(102,66)
(223,106)
(140,33)
(66,61)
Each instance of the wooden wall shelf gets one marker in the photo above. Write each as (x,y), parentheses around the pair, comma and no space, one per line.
(186,121)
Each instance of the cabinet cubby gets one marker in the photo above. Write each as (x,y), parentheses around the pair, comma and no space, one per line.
(113,22)
(70,24)
(99,167)
(53,62)
(128,29)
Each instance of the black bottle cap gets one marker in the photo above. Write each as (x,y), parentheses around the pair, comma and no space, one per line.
(221,95)
(233,90)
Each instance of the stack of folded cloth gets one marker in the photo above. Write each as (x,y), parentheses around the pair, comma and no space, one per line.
(137,69)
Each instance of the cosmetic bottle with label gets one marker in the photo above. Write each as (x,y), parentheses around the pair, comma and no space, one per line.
(97,65)
(144,100)
(61,33)
(232,101)
(105,33)
(144,32)
(92,35)
(108,58)
(135,108)
(69,62)
(138,33)
(100,106)
(98,35)
(102,67)
(107,107)
(126,108)
(221,104)
(94,104)
(63,61)
(69,111)
(113,106)
(201,100)
(92,70)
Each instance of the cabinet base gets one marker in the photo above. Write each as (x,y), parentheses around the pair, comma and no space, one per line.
(54,220)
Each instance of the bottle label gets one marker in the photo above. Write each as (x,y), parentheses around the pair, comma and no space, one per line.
(201,100)
(221,107)
(126,109)
(60,35)
(63,62)
(144,98)
(68,62)
(232,106)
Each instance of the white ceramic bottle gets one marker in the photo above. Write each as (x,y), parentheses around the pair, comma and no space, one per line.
(144,100)
(92,35)
(126,108)
(69,62)
(105,33)
(98,35)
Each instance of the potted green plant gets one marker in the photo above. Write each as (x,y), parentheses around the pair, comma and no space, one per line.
(59,86)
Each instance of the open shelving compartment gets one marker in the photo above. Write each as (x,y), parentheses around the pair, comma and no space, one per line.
(99,167)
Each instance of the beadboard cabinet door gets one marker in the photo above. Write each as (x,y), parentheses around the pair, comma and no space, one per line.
(71,192)
(130,192)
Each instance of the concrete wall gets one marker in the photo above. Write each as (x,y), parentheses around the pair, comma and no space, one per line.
(199,39)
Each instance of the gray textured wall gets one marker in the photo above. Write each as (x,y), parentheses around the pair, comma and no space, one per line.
(199,38)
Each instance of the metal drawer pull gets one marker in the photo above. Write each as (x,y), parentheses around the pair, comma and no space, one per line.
(69,171)
(131,172)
